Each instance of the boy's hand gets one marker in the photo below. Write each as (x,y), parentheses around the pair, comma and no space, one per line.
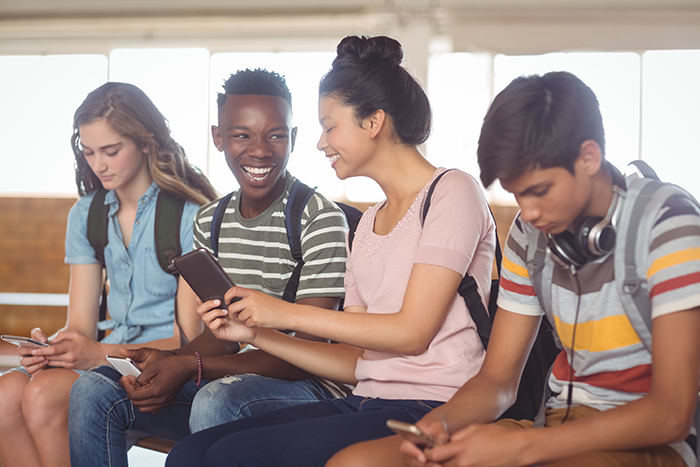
(144,356)
(160,382)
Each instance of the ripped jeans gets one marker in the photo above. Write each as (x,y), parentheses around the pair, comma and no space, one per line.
(103,423)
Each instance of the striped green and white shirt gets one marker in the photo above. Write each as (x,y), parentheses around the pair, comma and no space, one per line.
(255,252)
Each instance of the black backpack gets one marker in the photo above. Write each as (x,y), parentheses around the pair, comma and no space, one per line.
(544,350)
(166,231)
(299,196)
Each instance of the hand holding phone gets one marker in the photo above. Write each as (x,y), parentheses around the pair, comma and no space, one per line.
(124,365)
(204,275)
(24,341)
(411,433)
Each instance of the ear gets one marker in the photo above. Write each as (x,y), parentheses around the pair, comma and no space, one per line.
(374,123)
(218,139)
(590,157)
(294,137)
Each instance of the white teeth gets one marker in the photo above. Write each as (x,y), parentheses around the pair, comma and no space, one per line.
(258,170)
(334,158)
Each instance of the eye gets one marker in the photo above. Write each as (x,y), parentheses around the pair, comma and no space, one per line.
(240,136)
(112,154)
(540,193)
(329,130)
(280,136)
(87,153)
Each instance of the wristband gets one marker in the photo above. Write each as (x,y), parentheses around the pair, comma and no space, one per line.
(199,368)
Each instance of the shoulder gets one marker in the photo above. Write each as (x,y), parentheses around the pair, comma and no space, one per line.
(456,184)
(205,213)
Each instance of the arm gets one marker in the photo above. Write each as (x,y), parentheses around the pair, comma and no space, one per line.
(409,331)
(663,416)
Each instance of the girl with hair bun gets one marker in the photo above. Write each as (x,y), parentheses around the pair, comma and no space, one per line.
(122,144)
(405,339)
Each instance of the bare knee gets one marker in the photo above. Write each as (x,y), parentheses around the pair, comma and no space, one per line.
(45,399)
(12,386)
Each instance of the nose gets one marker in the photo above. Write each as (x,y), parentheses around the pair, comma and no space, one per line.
(529,212)
(259,149)
(98,164)
(321,145)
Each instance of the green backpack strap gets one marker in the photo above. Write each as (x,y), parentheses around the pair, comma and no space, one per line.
(97,222)
(167,229)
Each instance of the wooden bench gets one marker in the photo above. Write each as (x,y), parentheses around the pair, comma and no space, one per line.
(155,444)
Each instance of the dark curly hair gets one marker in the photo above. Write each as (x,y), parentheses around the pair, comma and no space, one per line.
(257,82)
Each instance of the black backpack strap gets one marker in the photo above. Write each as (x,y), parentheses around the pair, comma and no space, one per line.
(167,229)
(299,196)
(468,287)
(215,226)
(97,224)
(98,218)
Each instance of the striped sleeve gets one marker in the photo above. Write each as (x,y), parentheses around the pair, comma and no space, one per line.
(516,292)
(324,228)
(673,267)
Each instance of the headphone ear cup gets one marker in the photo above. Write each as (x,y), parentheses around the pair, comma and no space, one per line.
(565,247)
(595,239)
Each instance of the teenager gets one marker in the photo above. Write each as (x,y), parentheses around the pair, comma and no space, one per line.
(406,338)
(256,135)
(617,401)
(122,144)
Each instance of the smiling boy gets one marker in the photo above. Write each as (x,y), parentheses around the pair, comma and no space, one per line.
(180,390)
(617,400)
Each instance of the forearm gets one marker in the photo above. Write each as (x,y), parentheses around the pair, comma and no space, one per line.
(636,425)
(331,361)
(207,345)
(255,361)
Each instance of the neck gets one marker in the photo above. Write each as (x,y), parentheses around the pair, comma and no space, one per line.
(601,193)
(130,193)
(401,172)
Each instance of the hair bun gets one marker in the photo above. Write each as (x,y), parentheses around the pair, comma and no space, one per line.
(378,49)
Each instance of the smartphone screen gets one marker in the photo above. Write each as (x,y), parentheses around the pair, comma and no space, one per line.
(23,341)
(204,275)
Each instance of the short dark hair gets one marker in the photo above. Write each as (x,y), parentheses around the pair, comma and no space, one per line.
(257,82)
(538,122)
(367,75)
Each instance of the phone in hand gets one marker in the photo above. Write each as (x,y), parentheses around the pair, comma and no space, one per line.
(411,433)
(124,365)
(24,341)
(204,275)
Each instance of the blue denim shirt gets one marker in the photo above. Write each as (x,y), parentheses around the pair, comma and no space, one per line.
(141,299)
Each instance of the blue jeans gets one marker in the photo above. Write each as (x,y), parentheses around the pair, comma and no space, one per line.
(103,423)
(305,435)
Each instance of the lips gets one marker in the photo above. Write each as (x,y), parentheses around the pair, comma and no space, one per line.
(333,159)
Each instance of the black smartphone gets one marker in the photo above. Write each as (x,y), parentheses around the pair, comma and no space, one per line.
(204,275)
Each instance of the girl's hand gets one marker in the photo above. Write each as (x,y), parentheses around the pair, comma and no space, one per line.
(222,325)
(481,446)
(73,351)
(33,363)
(256,309)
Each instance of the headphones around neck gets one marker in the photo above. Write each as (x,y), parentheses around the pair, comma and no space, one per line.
(594,237)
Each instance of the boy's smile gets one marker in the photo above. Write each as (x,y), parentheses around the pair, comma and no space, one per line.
(256,135)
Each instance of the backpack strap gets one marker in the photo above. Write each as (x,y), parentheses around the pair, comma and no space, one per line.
(299,196)
(169,210)
(216,220)
(97,221)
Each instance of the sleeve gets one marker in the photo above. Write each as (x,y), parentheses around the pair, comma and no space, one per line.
(78,248)
(516,293)
(324,229)
(186,227)
(673,263)
(457,222)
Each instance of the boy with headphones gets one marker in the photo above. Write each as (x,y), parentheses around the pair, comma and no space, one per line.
(618,398)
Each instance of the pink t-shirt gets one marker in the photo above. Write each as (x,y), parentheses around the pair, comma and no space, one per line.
(459,234)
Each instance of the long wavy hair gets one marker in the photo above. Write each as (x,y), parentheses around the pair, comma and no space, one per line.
(129,112)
